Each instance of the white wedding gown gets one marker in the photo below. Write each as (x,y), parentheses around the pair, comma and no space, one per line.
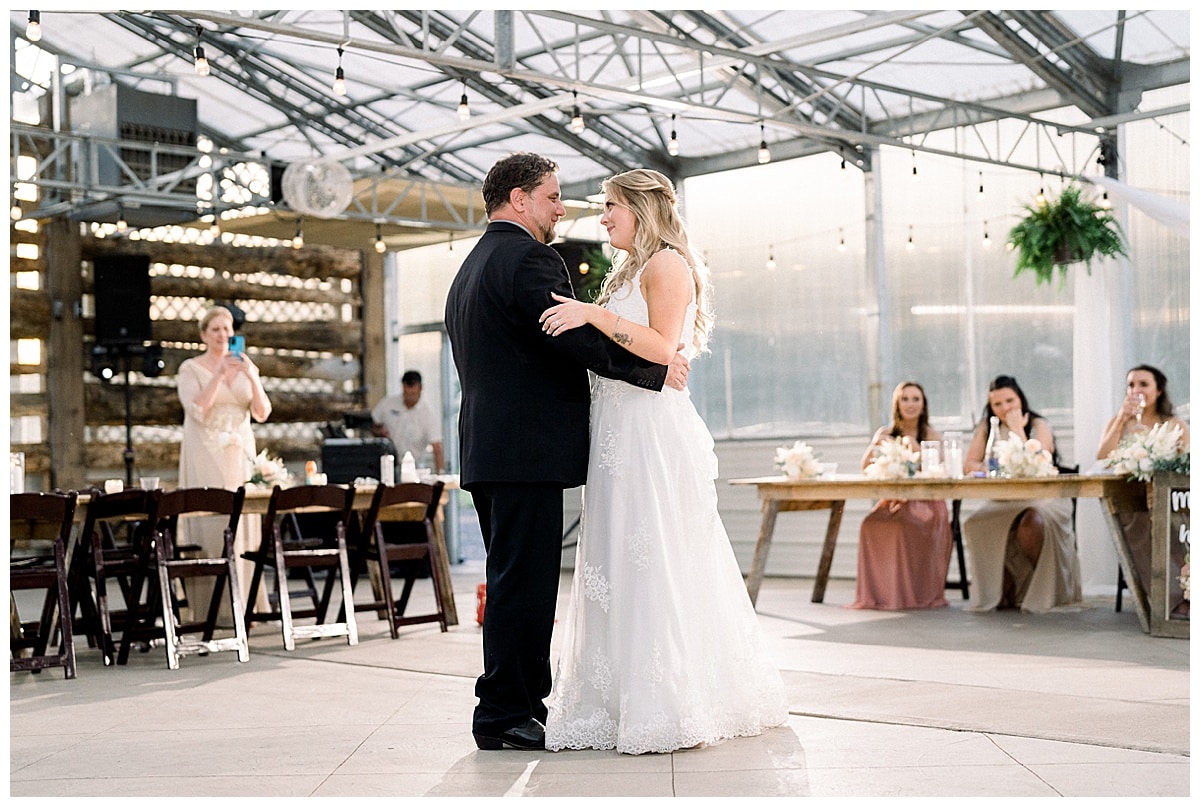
(661,647)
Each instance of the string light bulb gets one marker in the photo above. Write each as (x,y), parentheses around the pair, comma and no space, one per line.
(771,258)
(15,212)
(980,184)
(764,153)
(298,238)
(1041,194)
(1105,202)
(122,225)
(841,239)
(910,245)
(339,76)
(450,250)
(380,247)
(464,109)
(987,241)
(914,171)
(33,31)
(673,143)
(202,68)
(577,124)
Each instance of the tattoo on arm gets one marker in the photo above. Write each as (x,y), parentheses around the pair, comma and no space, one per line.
(620,338)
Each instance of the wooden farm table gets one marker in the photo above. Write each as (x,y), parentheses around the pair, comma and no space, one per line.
(780,494)
(257,500)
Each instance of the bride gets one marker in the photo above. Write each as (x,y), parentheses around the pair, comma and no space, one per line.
(662,648)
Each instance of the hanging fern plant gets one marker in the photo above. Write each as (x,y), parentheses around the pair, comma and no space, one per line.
(1063,231)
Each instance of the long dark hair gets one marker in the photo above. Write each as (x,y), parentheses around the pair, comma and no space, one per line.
(1008,382)
(922,419)
(1165,409)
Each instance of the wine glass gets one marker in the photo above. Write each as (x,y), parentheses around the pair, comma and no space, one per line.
(1141,409)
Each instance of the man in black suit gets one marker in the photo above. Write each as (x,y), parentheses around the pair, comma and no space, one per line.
(523,431)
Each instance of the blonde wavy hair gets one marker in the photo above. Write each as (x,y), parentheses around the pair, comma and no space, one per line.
(651,197)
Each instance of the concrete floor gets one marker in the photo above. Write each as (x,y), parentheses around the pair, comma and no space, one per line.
(925,703)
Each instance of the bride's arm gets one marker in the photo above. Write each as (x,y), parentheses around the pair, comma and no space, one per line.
(667,287)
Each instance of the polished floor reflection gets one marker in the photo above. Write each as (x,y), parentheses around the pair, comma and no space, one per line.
(925,703)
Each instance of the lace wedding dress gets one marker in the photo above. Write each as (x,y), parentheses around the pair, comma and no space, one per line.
(661,646)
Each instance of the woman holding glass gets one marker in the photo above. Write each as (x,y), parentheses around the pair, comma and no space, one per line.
(904,546)
(1145,406)
(1022,552)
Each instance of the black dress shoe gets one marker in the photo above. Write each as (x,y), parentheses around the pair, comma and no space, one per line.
(529,736)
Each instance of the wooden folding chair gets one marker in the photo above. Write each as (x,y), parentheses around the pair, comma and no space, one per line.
(161,603)
(39,531)
(409,511)
(283,547)
(110,548)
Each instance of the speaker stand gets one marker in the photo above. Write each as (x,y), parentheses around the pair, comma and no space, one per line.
(128,453)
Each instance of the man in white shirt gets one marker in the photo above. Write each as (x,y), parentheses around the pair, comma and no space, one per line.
(410,423)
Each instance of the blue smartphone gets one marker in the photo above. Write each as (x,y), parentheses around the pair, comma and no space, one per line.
(237,345)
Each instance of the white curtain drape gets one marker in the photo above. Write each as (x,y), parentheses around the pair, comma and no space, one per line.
(1173,213)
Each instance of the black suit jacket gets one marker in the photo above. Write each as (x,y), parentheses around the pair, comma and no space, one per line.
(525,396)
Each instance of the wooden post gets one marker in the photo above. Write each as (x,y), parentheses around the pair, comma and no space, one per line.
(64,355)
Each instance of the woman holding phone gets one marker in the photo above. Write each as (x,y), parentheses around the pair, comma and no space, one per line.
(220,391)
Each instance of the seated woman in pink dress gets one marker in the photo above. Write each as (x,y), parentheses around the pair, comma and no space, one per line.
(904,546)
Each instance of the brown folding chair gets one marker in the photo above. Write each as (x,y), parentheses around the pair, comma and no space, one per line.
(408,511)
(283,547)
(39,531)
(158,614)
(110,549)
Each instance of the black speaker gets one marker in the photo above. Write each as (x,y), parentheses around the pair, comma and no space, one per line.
(122,293)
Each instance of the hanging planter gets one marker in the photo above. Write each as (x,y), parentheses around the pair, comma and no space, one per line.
(1063,231)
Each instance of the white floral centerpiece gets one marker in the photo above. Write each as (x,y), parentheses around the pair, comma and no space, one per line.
(894,459)
(1140,455)
(798,461)
(267,471)
(1022,458)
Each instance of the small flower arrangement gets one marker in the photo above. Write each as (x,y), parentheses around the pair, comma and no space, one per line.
(1141,455)
(1185,577)
(267,471)
(894,459)
(1022,458)
(798,461)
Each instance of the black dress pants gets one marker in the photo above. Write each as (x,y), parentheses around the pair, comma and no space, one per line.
(522,533)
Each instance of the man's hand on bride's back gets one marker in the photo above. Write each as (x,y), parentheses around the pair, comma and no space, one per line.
(677,371)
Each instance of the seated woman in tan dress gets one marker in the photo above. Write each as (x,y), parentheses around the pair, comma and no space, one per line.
(1022,553)
(1146,405)
(904,546)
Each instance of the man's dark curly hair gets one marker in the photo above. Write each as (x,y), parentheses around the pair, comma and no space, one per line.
(521,170)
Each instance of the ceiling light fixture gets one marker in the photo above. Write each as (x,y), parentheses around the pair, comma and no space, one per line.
(464,109)
(577,124)
(673,143)
(339,76)
(202,68)
(33,31)
(764,153)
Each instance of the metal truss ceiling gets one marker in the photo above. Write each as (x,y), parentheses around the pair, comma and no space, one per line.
(805,81)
